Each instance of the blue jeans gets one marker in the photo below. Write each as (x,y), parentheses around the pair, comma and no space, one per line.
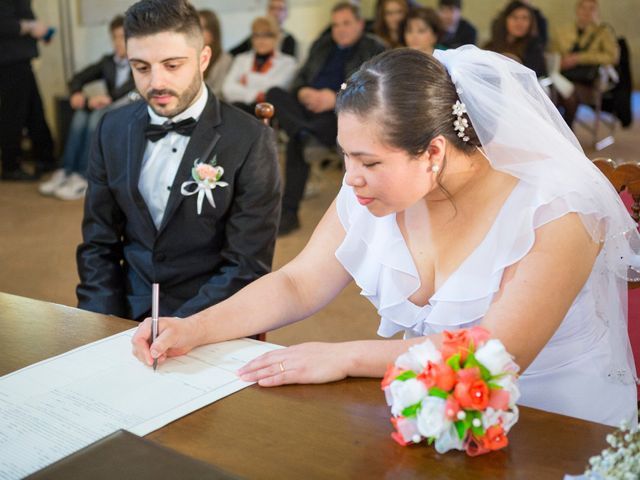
(76,151)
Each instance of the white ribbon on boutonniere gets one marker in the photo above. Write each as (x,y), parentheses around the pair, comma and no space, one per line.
(206,177)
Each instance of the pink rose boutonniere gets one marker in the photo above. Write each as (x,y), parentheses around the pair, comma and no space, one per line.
(461,396)
(206,177)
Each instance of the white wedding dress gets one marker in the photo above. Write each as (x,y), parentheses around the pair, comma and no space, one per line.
(570,376)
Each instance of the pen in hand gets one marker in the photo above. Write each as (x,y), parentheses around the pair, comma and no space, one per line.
(155,303)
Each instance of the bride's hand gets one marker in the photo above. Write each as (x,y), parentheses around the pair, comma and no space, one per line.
(305,363)
(176,336)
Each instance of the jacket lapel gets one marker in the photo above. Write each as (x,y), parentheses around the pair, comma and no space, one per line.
(136,143)
(201,145)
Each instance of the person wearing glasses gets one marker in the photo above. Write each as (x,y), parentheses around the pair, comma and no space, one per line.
(263,67)
(279,11)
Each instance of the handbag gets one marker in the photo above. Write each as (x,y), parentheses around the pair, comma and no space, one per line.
(582,73)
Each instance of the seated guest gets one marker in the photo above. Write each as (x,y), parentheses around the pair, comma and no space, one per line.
(184,190)
(584,46)
(515,35)
(541,22)
(256,71)
(220,62)
(278,10)
(421,30)
(389,16)
(306,112)
(69,182)
(457,30)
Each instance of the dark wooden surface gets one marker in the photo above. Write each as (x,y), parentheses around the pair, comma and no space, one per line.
(340,430)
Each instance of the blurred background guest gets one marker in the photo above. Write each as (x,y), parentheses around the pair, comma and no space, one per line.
(279,11)
(306,113)
(515,34)
(421,29)
(541,22)
(389,16)
(457,30)
(20,102)
(69,182)
(584,46)
(263,67)
(220,62)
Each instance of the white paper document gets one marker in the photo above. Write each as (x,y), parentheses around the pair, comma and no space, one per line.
(55,407)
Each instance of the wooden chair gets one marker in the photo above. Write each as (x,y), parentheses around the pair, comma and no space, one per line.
(607,78)
(264,111)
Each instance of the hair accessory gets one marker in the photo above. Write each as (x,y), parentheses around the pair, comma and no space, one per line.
(343,86)
(461,123)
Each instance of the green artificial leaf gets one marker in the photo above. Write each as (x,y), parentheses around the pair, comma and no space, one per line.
(454,362)
(411,411)
(430,440)
(438,392)
(406,375)
(460,428)
(494,386)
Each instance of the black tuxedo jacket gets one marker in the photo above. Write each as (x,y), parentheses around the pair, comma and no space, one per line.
(198,260)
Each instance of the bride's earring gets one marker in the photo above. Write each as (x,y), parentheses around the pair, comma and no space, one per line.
(435,168)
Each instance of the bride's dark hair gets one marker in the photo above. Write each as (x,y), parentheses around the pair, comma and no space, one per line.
(412,96)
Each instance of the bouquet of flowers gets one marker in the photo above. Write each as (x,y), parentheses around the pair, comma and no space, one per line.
(461,397)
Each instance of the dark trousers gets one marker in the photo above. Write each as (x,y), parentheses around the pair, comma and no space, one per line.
(21,107)
(293,118)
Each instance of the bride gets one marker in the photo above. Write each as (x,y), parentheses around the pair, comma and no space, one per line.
(466,201)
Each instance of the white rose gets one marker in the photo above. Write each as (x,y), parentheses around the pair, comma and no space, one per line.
(492,417)
(449,440)
(508,383)
(494,356)
(431,418)
(416,357)
(404,394)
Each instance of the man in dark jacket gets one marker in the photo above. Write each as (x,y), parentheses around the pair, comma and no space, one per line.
(184,190)
(69,182)
(306,112)
(458,31)
(20,102)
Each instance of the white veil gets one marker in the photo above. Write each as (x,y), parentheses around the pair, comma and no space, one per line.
(523,134)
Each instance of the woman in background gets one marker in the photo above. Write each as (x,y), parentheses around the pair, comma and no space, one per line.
(421,30)
(389,16)
(220,62)
(515,34)
(254,72)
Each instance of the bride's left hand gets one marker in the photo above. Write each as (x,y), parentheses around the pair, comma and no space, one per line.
(305,363)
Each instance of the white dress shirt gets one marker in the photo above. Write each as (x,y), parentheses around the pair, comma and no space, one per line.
(162,159)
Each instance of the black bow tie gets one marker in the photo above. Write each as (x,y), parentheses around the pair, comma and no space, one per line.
(183,127)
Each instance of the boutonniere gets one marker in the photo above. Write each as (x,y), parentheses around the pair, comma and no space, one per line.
(206,177)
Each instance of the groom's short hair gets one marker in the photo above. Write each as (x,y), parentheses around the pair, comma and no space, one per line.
(149,17)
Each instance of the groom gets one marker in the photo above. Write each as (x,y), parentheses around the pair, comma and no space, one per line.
(183,190)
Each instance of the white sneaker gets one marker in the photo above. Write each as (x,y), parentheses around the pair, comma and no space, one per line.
(57,180)
(74,188)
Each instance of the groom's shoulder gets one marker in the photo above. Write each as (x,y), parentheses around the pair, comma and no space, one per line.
(121,117)
(239,123)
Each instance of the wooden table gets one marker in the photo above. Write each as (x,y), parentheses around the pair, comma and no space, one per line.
(339,430)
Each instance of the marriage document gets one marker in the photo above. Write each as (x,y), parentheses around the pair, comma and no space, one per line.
(55,407)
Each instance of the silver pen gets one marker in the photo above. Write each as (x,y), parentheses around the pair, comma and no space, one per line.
(155,304)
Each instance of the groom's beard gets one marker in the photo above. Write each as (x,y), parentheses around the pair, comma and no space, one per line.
(185,99)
